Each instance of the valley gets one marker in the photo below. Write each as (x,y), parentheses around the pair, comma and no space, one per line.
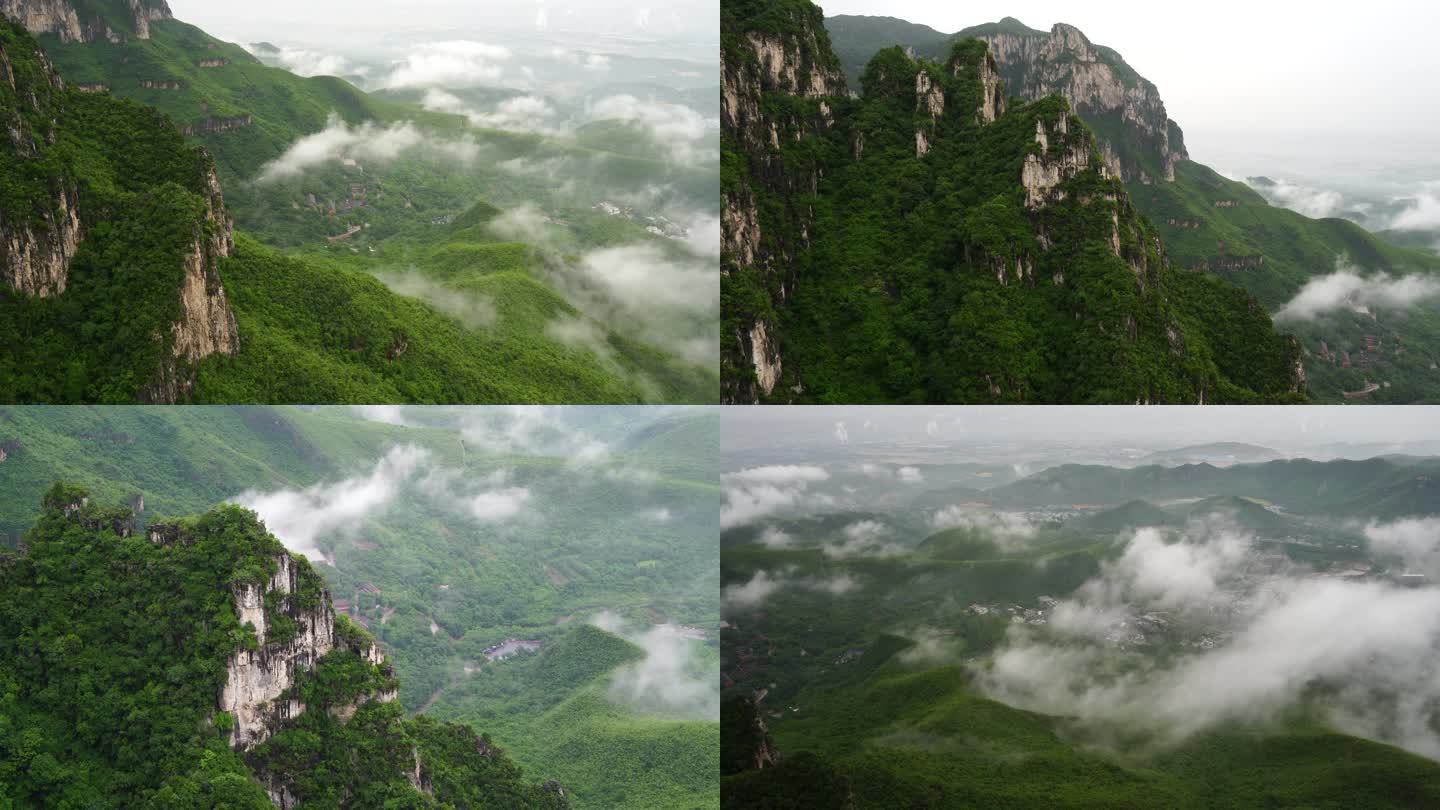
(403,244)
(433,532)
(1082,635)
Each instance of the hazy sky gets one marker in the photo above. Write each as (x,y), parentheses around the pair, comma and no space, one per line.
(1355,72)
(1173,426)
(277,19)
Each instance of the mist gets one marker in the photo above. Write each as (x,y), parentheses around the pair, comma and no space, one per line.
(1346,289)
(1275,637)
(365,143)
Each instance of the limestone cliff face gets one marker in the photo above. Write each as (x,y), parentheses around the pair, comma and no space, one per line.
(206,325)
(1098,85)
(35,250)
(64,20)
(256,680)
(796,63)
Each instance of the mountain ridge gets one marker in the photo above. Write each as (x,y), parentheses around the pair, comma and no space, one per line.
(1013,195)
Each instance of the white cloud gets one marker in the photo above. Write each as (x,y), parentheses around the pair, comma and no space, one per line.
(1422,212)
(763,585)
(1007,529)
(863,539)
(1272,637)
(669,679)
(775,539)
(1347,289)
(366,143)
(909,475)
(517,114)
(460,63)
(499,505)
(687,135)
(841,434)
(299,518)
(1414,540)
(472,309)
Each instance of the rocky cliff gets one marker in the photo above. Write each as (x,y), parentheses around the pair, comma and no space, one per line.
(929,240)
(1100,87)
(141,186)
(789,58)
(203,665)
(206,325)
(36,246)
(110,21)
(1136,138)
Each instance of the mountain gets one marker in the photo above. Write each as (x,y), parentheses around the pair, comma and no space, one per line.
(112,229)
(199,664)
(427,312)
(1214,452)
(1208,222)
(1130,515)
(626,530)
(974,250)
(1377,488)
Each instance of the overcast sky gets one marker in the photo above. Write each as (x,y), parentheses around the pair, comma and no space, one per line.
(1145,425)
(1364,72)
(278,19)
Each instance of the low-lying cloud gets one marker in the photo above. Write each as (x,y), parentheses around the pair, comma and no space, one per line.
(300,517)
(366,143)
(763,585)
(1347,289)
(670,678)
(458,63)
(1270,638)
(474,310)
(758,492)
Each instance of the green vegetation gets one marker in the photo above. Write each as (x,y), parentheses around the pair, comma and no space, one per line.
(940,278)
(390,348)
(881,693)
(634,534)
(467,316)
(1224,229)
(907,737)
(113,654)
(139,194)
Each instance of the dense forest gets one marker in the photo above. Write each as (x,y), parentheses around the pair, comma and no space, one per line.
(115,648)
(626,541)
(927,242)
(383,281)
(1220,226)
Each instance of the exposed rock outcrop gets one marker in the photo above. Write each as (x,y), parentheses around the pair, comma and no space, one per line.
(1098,84)
(206,325)
(64,20)
(36,246)
(1044,173)
(35,256)
(798,64)
(256,681)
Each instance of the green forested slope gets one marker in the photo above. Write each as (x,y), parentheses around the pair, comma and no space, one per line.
(634,534)
(115,708)
(950,250)
(1217,225)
